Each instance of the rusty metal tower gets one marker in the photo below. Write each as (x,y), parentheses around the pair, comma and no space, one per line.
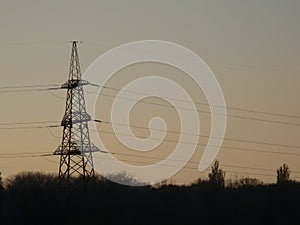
(76,148)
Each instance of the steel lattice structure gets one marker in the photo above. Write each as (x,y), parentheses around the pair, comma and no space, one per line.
(76,148)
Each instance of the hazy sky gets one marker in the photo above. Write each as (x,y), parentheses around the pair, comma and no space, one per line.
(251,46)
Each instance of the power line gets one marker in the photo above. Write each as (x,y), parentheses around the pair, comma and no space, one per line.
(208,112)
(27,155)
(195,168)
(28,127)
(204,145)
(43,157)
(54,95)
(169,140)
(176,132)
(21,153)
(146,128)
(31,122)
(193,162)
(20,156)
(30,86)
(27,90)
(53,135)
(57,87)
(201,103)
(228,115)
(31,155)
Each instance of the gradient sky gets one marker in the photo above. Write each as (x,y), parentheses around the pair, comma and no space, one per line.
(251,46)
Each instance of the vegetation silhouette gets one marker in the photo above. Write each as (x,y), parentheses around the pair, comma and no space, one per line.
(31,198)
(217,175)
(283,174)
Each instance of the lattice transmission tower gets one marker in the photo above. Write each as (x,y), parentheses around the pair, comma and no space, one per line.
(76,148)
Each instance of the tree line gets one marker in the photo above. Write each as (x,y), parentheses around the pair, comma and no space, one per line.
(38,198)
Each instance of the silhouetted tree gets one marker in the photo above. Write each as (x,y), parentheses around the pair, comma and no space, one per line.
(124,178)
(1,196)
(217,175)
(1,186)
(247,181)
(1,182)
(283,174)
(29,198)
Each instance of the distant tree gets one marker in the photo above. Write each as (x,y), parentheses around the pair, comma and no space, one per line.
(198,181)
(124,178)
(247,181)
(217,175)
(283,174)
(1,195)
(1,182)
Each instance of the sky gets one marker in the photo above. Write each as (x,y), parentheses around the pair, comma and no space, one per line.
(251,46)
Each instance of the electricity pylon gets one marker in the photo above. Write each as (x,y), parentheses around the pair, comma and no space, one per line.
(76,148)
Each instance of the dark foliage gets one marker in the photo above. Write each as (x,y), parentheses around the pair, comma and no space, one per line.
(34,198)
(283,174)
(217,176)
